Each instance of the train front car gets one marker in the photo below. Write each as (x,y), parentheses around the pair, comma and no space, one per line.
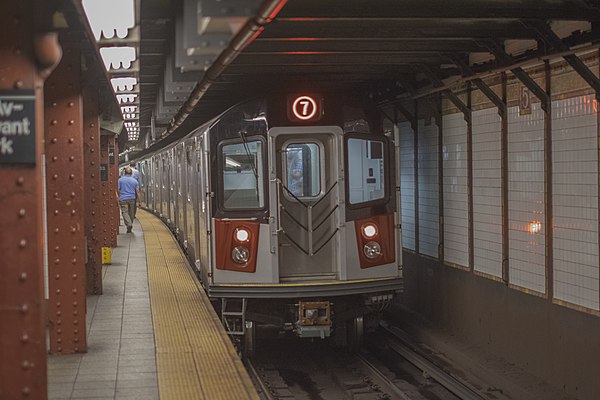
(305,230)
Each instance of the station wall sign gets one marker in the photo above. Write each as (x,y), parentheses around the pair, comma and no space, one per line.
(17,127)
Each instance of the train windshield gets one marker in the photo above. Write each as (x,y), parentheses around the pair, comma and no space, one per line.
(243,175)
(366,172)
(303,169)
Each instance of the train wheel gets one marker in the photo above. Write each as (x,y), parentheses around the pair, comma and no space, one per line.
(249,341)
(355,334)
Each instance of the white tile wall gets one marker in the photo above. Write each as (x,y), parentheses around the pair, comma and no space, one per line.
(526,198)
(575,201)
(407,184)
(487,192)
(456,207)
(428,189)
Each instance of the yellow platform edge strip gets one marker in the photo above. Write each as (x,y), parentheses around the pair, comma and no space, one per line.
(195,358)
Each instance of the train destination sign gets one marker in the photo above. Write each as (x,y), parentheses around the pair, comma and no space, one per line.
(17,127)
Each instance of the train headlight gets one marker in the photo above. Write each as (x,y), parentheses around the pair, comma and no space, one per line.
(240,255)
(242,235)
(372,250)
(369,231)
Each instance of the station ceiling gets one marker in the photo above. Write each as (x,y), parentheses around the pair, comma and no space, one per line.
(199,57)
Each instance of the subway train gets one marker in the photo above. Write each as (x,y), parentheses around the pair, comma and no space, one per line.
(287,207)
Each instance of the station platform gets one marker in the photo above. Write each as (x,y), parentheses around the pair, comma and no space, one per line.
(153,334)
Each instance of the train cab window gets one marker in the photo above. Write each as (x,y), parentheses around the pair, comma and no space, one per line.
(303,169)
(243,181)
(366,170)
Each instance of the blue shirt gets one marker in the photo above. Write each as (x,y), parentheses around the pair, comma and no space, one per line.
(127,187)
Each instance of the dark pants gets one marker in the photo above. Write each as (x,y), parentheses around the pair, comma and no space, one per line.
(127,207)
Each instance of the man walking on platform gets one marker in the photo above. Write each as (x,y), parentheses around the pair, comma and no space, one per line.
(128,192)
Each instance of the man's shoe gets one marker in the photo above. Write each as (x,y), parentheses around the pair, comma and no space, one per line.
(129,229)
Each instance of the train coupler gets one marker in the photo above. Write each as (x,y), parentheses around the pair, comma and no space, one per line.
(314,319)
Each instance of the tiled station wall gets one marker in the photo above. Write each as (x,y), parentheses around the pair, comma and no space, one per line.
(574,266)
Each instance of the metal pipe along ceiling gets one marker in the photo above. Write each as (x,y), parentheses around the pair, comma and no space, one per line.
(245,36)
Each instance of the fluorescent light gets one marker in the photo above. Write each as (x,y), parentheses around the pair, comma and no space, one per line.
(128,109)
(126,98)
(117,57)
(108,17)
(232,163)
(123,84)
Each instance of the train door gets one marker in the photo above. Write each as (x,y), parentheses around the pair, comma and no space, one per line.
(203,221)
(165,185)
(180,190)
(172,187)
(190,198)
(305,171)
(156,183)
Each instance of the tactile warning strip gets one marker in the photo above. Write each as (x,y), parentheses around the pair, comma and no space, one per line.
(195,358)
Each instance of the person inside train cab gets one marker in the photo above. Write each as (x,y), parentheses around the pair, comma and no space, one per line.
(295,171)
(128,192)
(135,174)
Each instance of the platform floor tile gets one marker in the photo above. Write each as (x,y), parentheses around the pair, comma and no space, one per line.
(121,358)
(195,357)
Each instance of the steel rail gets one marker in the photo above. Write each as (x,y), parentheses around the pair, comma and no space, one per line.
(457,386)
(380,379)
(263,390)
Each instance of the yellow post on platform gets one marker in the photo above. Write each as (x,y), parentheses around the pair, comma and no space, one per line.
(106,255)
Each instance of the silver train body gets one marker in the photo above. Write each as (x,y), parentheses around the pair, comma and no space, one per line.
(287,209)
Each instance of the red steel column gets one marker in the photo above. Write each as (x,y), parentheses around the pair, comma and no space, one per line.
(114,177)
(22,306)
(64,204)
(110,205)
(106,190)
(93,199)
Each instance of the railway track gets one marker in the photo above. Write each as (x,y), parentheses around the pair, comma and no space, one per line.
(389,367)
(398,342)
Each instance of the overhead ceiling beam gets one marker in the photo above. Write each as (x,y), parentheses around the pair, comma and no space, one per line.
(548,35)
(547,9)
(523,76)
(386,29)
(436,81)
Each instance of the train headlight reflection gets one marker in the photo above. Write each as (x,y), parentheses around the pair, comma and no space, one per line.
(372,250)
(369,231)
(241,235)
(240,255)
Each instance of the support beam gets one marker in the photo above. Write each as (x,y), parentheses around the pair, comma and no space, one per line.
(107,191)
(407,114)
(504,185)
(485,89)
(93,199)
(22,306)
(437,82)
(416,176)
(548,210)
(553,40)
(470,229)
(65,205)
(506,59)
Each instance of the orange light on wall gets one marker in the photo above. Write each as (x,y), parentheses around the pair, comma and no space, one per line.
(534,227)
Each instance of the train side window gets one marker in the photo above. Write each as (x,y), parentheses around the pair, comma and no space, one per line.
(366,171)
(303,169)
(243,181)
